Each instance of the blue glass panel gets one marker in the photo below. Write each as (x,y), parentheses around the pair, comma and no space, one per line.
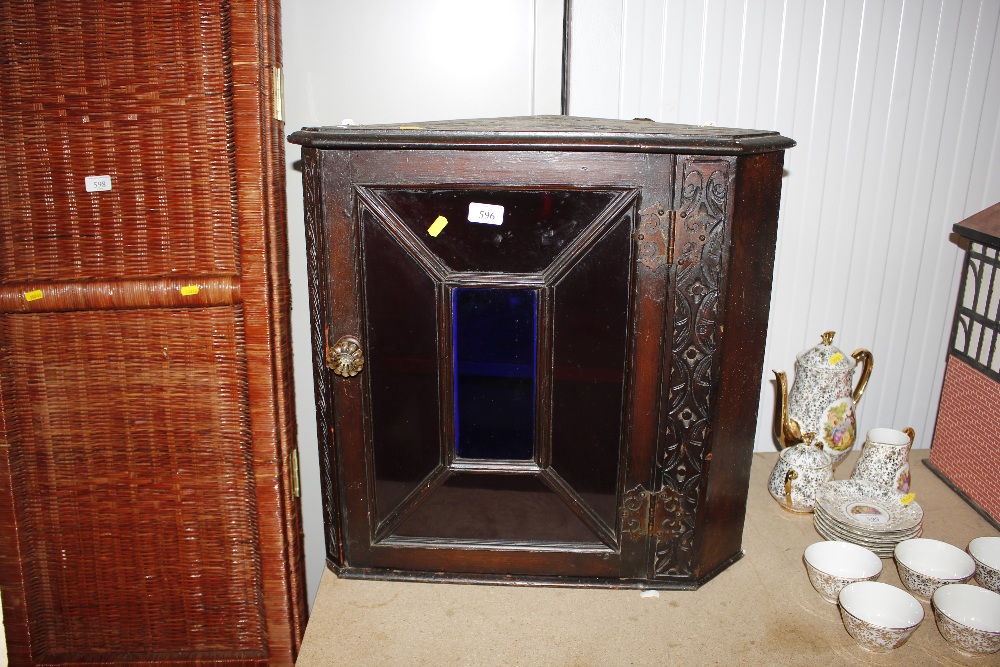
(495,340)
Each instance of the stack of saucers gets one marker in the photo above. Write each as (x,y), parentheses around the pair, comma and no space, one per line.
(866,514)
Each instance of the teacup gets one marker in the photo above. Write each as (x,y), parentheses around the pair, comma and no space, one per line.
(986,552)
(878,616)
(925,565)
(968,617)
(833,565)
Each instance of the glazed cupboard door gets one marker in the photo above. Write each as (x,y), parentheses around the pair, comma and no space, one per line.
(148,512)
(493,347)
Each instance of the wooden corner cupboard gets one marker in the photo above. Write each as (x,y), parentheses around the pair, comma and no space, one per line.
(148,512)
(538,345)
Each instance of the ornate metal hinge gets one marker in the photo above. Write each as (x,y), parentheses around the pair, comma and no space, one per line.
(642,513)
(656,236)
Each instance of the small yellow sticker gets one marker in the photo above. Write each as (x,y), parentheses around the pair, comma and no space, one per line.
(190,290)
(908,498)
(33,295)
(835,359)
(440,223)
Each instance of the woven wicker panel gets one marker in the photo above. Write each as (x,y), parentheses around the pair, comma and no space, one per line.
(131,461)
(970,408)
(140,92)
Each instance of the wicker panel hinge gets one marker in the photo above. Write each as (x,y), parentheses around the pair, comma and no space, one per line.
(277,94)
(640,513)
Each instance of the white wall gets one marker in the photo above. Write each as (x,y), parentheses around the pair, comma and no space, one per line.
(388,61)
(896,109)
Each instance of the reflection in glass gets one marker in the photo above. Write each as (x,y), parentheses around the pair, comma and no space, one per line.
(495,339)
(537,224)
(512,508)
(589,354)
(401,348)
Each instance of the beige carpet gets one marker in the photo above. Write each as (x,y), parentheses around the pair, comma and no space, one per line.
(762,610)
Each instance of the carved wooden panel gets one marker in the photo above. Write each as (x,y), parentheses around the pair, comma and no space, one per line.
(703,201)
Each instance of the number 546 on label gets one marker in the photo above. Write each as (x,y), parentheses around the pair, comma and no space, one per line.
(488,214)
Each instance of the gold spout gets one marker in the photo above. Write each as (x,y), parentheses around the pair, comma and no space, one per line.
(786,429)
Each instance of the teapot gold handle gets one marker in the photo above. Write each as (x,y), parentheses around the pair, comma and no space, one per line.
(863,357)
(790,476)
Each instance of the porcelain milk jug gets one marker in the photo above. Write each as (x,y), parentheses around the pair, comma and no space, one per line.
(884,458)
(821,399)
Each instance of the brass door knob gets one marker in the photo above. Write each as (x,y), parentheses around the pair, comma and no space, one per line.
(345,357)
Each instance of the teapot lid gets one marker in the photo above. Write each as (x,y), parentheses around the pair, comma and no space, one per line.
(826,356)
(806,455)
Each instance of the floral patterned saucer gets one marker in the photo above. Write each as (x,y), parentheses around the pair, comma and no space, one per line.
(865,539)
(866,514)
(881,545)
(866,509)
(884,551)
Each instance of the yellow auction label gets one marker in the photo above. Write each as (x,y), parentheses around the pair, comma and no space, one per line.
(835,359)
(190,290)
(440,223)
(908,498)
(33,295)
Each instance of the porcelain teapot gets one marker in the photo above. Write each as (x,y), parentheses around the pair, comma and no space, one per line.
(821,400)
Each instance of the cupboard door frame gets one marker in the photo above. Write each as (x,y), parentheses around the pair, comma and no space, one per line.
(333,227)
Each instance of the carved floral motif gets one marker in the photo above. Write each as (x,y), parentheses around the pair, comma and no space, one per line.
(703,205)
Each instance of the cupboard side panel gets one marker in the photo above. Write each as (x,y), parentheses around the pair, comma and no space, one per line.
(324,177)
(744,330)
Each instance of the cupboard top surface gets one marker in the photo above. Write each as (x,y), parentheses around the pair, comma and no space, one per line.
(546,133)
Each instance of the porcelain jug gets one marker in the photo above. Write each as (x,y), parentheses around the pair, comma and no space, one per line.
(797,474)
(821,399)
(885,458)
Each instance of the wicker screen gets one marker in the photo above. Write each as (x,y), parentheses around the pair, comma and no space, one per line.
(136,91)
(116,507)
